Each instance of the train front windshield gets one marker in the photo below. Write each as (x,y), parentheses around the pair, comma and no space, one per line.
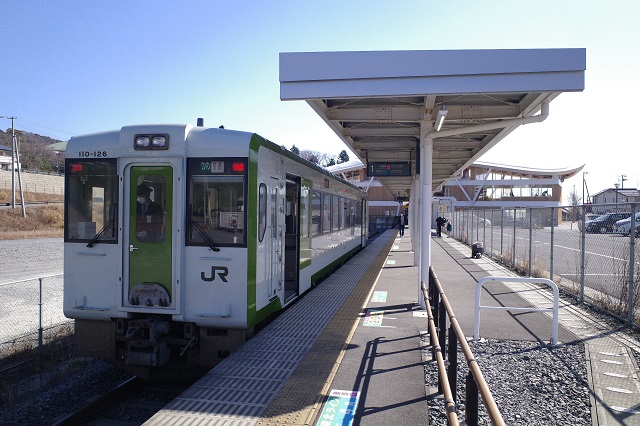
(91,201)
(217,190)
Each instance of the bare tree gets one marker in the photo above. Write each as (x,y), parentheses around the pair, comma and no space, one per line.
(574,201)
(313,156)
(320,158)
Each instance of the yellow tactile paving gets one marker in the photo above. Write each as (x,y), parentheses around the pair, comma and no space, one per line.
(300,400)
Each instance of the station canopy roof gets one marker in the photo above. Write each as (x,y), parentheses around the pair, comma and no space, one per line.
(381,103)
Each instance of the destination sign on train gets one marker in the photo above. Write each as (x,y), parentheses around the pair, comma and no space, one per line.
(389,169)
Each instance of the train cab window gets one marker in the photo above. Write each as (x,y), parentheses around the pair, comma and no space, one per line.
(150,208)
(216,195)
(91,201)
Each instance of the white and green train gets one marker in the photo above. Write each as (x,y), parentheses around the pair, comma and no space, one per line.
(181,241)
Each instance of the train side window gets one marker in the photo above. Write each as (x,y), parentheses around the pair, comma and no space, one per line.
(347,216)
(351,213)
(262,211)
(326,214)
(316,213)
(274,212)
(335,215)
(91,204)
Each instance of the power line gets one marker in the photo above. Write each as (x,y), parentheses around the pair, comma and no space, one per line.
(48,128)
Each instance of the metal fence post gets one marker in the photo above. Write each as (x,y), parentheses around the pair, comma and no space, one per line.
(491,239)
(513,260)
(472,228)
(471,401)
(469,227)
(501,234)
(553,221)
(583,239)
(452,369)
(442,327)
(40,316)
(530,238)
(632,261)
(434,302)
(484,227)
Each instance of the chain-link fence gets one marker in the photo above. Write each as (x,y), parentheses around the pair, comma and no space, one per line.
(31,311)
(586,250)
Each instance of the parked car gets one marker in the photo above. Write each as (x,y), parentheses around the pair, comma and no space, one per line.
(482,221)
(623,226)
(588,218)
(605,223)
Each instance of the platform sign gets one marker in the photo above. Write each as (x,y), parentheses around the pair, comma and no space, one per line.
(379,296)
(373,318)
(340,408)
(395,168)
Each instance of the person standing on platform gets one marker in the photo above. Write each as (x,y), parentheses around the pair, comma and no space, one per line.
(403,222)
(440,221)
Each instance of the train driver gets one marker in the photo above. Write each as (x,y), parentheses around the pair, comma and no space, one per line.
(150,217)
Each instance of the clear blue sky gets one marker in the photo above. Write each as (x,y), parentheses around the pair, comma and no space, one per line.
(74,67)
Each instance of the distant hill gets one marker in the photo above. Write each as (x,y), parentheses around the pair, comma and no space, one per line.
(35,151)
(5,138)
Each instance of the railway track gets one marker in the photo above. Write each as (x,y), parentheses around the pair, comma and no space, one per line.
(131,402)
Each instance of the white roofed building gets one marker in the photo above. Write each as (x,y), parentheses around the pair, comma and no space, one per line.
(381,202)
(486,185)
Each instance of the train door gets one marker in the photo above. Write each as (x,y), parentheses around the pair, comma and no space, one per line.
(149,259)
(292,237)
(276,208)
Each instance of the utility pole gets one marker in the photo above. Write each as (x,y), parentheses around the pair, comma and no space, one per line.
(13,156)
(15,160)
(584,183)
(622,179)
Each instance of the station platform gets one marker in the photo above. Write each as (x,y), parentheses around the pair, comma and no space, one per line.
(350,350)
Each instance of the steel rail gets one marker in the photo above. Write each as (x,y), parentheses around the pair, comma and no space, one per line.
(90,409)
(483,388)
(450,404)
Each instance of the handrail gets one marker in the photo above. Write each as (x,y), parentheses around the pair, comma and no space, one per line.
(450,404)
(556,303)
(492,409)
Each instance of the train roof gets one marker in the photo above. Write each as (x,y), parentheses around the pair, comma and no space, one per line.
(197,143)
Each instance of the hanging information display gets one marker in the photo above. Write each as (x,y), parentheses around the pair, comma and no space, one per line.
(389,169)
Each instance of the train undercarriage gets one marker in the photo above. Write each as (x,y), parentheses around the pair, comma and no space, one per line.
(154,347)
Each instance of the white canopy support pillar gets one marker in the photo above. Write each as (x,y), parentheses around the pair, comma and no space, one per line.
(414,223)
(426,192)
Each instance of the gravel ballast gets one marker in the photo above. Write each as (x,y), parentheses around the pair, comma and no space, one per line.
(531,383)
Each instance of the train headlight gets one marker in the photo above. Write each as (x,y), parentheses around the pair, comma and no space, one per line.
(144,142)
(159,141)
